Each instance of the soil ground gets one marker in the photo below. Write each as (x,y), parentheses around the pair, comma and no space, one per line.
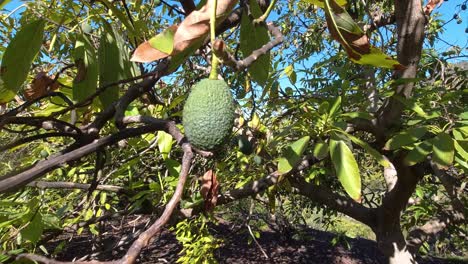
(313,246)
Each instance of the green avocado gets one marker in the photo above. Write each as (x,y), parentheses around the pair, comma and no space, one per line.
(208,115)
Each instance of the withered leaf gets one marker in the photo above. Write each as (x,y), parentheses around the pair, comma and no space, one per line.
(209,190)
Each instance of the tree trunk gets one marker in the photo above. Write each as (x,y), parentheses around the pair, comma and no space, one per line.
(391,241)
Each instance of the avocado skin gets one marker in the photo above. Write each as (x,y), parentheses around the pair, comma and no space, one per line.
(208,115)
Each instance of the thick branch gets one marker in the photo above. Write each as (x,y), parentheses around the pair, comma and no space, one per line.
(342,204)
(11,183)
(47,123)
(188,6)
(145,237)
(25,140)
(381,21)
(449,184)
(410,22)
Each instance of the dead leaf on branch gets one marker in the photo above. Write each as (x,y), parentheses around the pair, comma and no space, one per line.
(148,51)
(431,5)
(356,43)
(209,190)
(40,85)
(190,32)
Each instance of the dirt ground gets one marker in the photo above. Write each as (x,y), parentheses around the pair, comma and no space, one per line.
(313,246)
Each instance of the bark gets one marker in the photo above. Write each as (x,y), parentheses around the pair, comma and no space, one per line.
(388,231)
(410,21)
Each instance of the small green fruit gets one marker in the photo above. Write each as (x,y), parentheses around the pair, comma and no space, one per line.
(257,160)
(86,28)
(44,154)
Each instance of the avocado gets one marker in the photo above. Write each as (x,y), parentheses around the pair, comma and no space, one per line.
(208,115)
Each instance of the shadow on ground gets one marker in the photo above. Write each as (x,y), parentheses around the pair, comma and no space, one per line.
(310,246)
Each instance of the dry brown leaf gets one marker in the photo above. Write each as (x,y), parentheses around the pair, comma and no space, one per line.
(145,53)
(431,5)
(194,27)
(197,25)
(355,44)
(209,190)
(40,85)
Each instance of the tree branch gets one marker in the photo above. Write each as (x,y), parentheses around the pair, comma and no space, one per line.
(410,22)
(74,185)
(144,238)
(188,6)
(342,204)
(449,184)
(220,50)
(25,140)
(10,183)
(418,236)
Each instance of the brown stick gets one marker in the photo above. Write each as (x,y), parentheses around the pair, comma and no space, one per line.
(73,185)
(145,237)
(228,59)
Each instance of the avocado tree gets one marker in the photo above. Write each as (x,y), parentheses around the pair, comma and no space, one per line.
(346,104)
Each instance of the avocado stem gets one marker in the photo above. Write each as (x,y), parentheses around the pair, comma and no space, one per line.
(214,59)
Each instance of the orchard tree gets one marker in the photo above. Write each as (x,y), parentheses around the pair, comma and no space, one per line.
(345,105)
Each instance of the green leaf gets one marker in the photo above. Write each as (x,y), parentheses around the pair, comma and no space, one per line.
(345,22)
(164,41)
(460,133)
(173,166)
(411,105)
(33,231)
(461,146)
(405,138)
(373,152)
(111,65)
(418,153)
(335,107)
(292,155)
(352,115)
(164,143)
(253,37)
(463,115)
(18,57)
(289,71)
(3,3)
(320,150)
(121,16)
(323,108)
(85,82)
(348,33)
(346,168)
(378,59)
(443,150)
(320,3)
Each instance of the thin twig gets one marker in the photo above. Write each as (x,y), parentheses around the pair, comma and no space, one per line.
(220,50)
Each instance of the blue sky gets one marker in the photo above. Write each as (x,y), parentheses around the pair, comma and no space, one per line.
(454,33)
